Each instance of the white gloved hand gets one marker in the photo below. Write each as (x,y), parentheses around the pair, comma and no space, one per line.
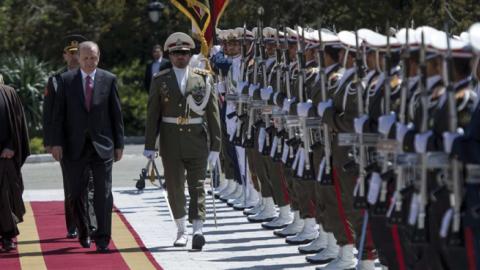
(322,106)
(220,86)
(421,141)
(402,131)
(213,157)
(252,89)
(449,138)
(303,108)
(385,123)
(266,92)
(359,122)
(240,86)
(150,154)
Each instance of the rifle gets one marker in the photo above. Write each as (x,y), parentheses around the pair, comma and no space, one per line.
(396,216)
(381,206)
(287,75)
(278,73)
(327,176)
(238,140)
(420,234)
(306,172)
(266,118)
(360,200)
(455,236)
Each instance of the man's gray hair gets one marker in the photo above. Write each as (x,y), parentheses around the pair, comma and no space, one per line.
(89,45)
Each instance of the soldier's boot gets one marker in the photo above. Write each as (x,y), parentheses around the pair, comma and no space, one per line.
(328,254)
(307,235)
(283,219)
(221,186)
(344,261)
(256,209)
(232,185)
(267,214)
(293,228)
(239,200)
(235,195)
(198,240)
(251,201)
(366,265)
(182,236)
(316,245)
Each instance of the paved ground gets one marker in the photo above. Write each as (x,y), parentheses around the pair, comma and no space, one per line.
(48,175)
(235,244)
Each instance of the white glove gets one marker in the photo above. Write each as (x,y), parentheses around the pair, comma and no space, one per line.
(449,138)
(150,154)
(252,89)
(322,106)
(286,104)
(385,123)
(213,158)
(302,108)
(359,122)
(401,131)
(240,86)
(266,92)
(220,86)
(421,141)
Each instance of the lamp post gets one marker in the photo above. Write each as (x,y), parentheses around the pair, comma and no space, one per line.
(154,8)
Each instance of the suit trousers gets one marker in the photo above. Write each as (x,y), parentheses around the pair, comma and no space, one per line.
(174,171)
(102,198)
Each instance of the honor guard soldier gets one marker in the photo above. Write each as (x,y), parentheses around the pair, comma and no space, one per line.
(183,108)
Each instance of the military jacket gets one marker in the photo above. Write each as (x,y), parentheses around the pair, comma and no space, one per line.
(182,139)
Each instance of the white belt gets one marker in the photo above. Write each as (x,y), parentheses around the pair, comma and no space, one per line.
(473,174)
(182,120)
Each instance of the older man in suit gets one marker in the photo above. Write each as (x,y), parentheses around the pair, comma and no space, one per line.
(88,123)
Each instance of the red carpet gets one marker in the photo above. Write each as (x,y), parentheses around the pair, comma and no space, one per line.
(57,252)
(9,261)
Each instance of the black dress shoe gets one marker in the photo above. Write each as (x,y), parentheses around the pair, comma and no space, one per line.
(85,242)
(102,245)
(72,234)
(102,248)
(8,244)
(198,241)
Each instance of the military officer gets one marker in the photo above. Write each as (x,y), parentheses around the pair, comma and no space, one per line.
(183,108)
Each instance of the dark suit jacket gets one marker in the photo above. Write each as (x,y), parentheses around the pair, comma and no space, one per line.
(73,123)
(48,105)
(165,63)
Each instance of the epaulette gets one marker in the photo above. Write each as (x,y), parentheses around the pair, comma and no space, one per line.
(201,71)
(162,72)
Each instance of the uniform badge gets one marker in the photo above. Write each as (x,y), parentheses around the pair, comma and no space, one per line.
(198,93)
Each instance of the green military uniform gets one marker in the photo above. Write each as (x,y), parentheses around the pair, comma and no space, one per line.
(183,146)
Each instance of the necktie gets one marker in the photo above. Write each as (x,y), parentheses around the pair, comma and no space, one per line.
(88,92)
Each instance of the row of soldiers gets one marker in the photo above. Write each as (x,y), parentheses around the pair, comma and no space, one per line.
(365,142)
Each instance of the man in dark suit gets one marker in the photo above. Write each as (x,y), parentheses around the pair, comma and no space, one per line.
(70,56)
(158,63)
(88,123)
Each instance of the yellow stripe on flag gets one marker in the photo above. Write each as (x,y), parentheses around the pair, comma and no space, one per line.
(31,256)
(127,246)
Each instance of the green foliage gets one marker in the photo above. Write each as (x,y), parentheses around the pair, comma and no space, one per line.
(28,75)
(133,97)
(36,146)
